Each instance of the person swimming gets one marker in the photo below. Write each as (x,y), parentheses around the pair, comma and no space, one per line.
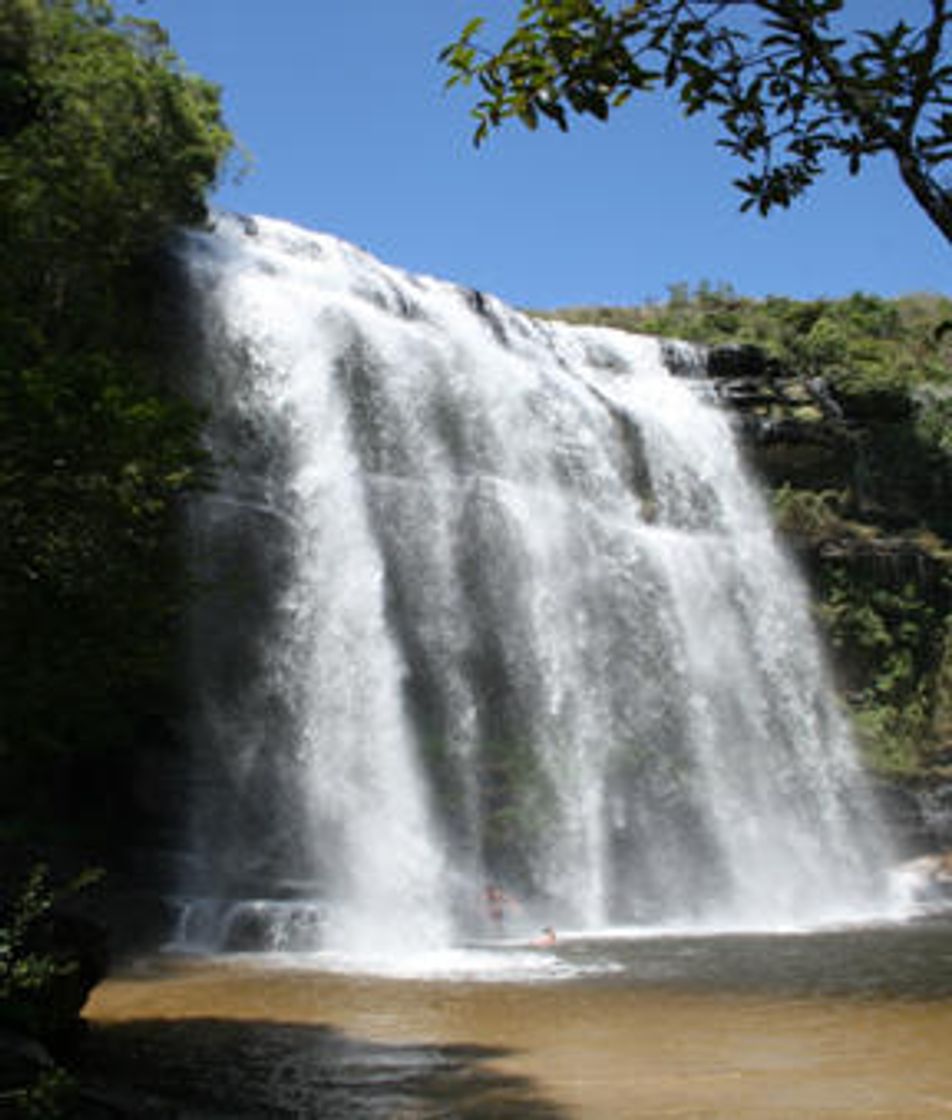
(545,939)
(496,901)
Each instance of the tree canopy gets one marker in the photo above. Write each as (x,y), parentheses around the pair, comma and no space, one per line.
(792,82)
(106,145)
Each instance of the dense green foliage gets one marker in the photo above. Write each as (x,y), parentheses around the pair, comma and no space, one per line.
(29,967)
(894,645)
(792,82)
(850,422)
(40,989)
(106,145)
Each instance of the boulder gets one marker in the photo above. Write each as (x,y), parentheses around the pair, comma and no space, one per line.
(929,876)
(23,1061)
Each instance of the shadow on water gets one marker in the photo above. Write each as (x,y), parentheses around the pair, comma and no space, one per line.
(213,1069)
(848,1023)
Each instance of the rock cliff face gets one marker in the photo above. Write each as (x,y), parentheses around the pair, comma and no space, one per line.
(809,433)
(867,506)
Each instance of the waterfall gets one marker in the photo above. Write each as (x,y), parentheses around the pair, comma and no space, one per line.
(490,600)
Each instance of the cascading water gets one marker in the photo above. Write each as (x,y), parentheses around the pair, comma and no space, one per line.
(491,600)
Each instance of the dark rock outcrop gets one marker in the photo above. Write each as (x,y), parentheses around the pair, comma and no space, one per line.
(743,361)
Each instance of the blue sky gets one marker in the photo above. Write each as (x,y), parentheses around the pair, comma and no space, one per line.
(341,105)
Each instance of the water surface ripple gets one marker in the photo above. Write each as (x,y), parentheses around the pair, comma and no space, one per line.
(849,1023)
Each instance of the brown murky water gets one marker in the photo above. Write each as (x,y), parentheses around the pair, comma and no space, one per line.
(846,1025)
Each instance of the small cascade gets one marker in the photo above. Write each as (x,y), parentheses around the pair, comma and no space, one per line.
(491,601)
